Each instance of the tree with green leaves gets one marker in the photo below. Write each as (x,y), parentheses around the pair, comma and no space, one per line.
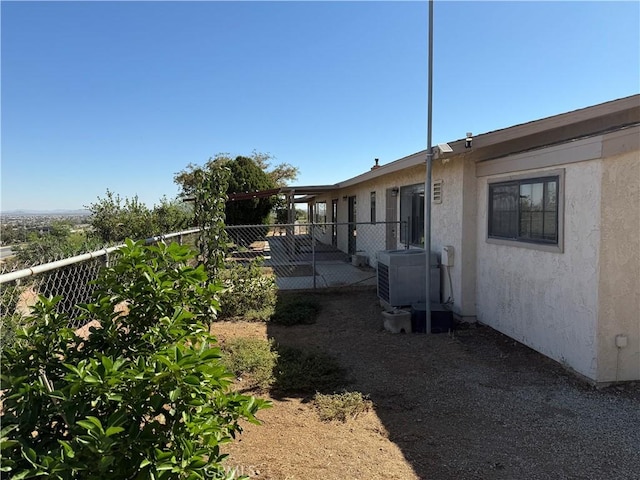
(172,216)
(247,174)
(113,218)
(13,234)
(281,174)
(207,187)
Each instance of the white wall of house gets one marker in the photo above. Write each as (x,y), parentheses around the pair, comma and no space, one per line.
(370,237)
(547,300)
(447,219)
(619,280)
(447,222)
(572,304)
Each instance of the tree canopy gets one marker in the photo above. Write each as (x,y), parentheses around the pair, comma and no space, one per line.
(247,174)
(280,174)
(113,219)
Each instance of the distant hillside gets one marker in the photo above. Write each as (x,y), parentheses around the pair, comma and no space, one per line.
(26,213)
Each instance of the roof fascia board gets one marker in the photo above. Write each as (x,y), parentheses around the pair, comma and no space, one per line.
(307,189)
(625,111)
(569,152)
(395,166)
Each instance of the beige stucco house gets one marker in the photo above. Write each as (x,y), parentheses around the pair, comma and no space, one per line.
(544,220)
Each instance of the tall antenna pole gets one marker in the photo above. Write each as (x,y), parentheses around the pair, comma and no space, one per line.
(427,182)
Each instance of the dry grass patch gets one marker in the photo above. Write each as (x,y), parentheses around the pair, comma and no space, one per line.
(341,406)
(252,360)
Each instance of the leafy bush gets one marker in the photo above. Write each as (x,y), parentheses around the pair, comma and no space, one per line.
(10,320)
(249,294)
(207,187)
(145,395)
(341,406)
(113,219)
(8,326)
(171,216)
(299,371)
(251,357)
(296,309)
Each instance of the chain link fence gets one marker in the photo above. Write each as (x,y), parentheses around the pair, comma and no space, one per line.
(50,274)
(300,256)
(308,256)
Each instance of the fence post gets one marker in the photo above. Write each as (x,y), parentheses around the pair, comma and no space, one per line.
(408,232)
(313,254)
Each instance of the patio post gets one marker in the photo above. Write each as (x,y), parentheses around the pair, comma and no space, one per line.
(290,229)
(313,254)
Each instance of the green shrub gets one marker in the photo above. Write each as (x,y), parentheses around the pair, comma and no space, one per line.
(341,406)
(250,294)
(251,357)
(9,324)
(144,396)
(10,321)
(299,371)
(296,309)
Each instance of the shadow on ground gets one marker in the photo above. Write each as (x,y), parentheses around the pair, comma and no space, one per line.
(475,405)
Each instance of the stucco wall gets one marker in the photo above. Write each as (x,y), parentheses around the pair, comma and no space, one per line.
(546,300)
(446,223)
(453,223)
(370,238)
(467,255)
(446,227)
(619,281)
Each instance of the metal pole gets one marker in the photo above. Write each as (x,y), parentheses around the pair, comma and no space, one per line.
(406,238)
(313,254)
(427,182)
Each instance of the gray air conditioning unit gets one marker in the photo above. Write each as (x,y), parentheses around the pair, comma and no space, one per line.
(401,277)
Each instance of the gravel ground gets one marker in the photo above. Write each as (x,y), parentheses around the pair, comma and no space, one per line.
(476,405)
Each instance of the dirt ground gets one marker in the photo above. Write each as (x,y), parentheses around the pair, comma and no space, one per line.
(475,405)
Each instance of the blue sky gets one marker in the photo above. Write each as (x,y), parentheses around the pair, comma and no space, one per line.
(122,95)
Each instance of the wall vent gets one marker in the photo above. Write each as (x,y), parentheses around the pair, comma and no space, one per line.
(436,196)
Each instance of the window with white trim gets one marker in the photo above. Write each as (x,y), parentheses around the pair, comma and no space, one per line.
(525,210)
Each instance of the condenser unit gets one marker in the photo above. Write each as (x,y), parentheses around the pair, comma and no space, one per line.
(401,277)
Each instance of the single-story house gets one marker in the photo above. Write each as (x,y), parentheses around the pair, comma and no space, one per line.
(544,221)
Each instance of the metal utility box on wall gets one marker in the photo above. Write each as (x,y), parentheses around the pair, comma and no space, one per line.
(401,277)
